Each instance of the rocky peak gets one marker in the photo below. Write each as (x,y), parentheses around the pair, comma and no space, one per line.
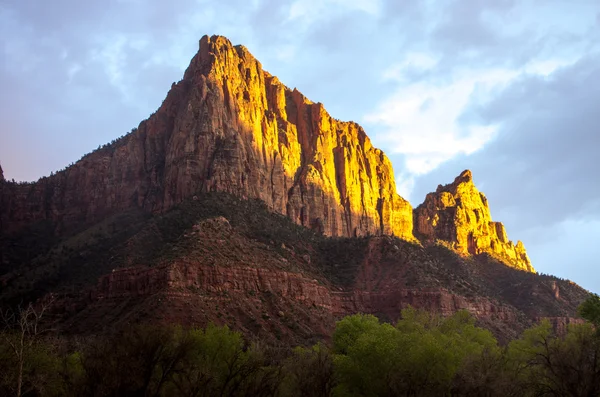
(465,177)
(229,126)
(459,215)
(1,173)
(272,143)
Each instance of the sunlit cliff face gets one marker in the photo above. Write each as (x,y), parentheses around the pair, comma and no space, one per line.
(287,150)
(230,126)
(459,214)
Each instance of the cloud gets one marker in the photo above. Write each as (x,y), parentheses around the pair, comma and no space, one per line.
(470,53)
(422,119)
(544,157)
(472,24)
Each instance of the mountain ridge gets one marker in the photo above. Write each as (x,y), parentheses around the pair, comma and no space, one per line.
(200,137)
(230,126)
(221,259)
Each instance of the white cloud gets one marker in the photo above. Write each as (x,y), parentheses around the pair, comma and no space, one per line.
(72,71)
(548,66)
(422,120)
(405,184)
(310,11)
(413,62)
(112,56)
(371,7)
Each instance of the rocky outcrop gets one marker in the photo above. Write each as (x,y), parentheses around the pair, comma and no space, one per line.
(192,276)
(458,214)
(227,126)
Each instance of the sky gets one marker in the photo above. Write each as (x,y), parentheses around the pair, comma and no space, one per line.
(508,89)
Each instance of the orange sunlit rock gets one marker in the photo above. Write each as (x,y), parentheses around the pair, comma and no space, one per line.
(286,150)
(458,214)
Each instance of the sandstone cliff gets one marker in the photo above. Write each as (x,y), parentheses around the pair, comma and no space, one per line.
(458,214)
(227,126)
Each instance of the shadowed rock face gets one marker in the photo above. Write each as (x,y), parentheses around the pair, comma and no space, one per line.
(227,126)
(458,213)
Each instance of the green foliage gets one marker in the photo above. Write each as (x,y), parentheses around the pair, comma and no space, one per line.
(590,310)
(171,361)
(544,364)
(421,355)
(350,328)
(309,372)
(40,368)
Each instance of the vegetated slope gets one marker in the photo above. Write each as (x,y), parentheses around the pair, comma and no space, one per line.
(217,258)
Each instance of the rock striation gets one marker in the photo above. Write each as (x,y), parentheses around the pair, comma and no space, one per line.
(458,214)
(228,126)
(243,289)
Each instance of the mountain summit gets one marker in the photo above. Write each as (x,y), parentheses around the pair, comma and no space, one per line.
(258,138)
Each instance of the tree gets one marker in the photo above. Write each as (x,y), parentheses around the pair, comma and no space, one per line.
(310,372)
(22,335)
(421,355)
(590,310)
(139,361)
(217,363)
(350,328)
(545,364)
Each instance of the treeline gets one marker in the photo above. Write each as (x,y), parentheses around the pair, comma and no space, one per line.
(108,146)
(422,355)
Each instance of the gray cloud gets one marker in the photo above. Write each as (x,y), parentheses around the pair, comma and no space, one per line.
(541,172)
(464,26)
(544,159)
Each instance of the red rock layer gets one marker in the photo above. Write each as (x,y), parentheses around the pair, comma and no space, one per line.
(188,275)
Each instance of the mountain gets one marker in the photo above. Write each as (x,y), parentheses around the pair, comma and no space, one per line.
(240,201)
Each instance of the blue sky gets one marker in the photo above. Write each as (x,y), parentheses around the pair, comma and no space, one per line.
(508,89)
